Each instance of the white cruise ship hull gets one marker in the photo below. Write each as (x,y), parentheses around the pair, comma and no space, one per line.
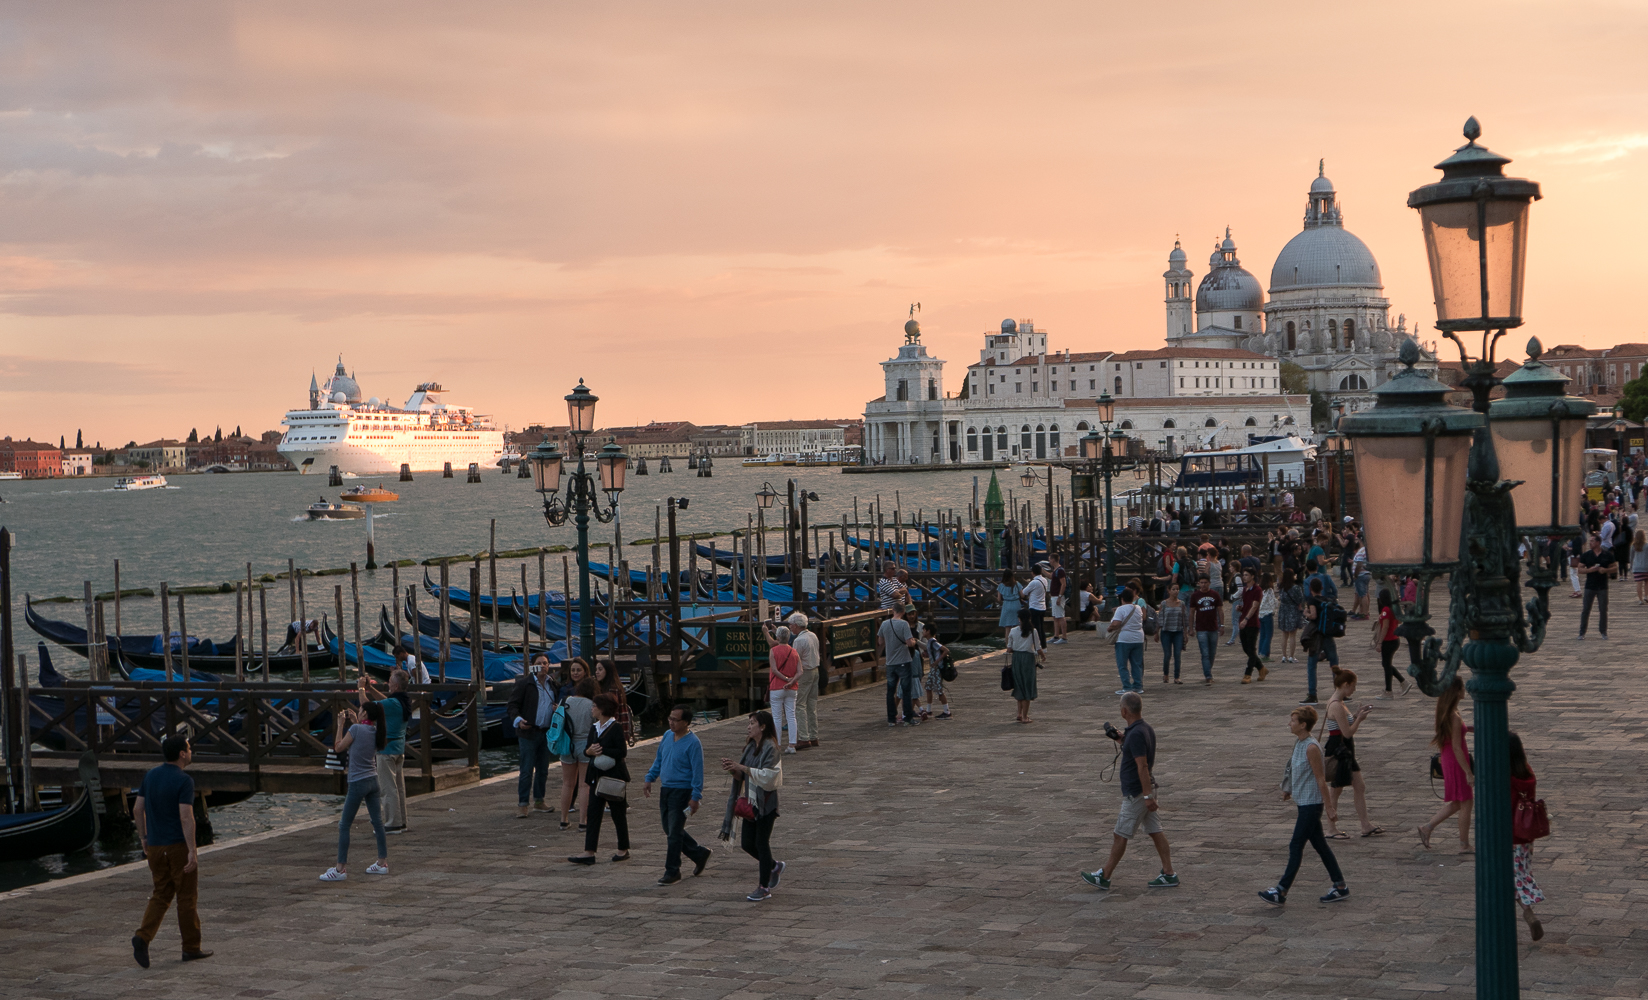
(425,452)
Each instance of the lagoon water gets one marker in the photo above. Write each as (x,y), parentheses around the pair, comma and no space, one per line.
(204,529)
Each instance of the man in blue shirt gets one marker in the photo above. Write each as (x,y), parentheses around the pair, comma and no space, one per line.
(1314,571)
(680,763)
(165,818)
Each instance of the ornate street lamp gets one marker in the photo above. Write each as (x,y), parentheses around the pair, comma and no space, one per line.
(581,501)
(1337,445)
(1414,453)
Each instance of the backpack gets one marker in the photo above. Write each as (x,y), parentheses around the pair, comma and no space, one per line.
(560,737)
(1151,626)
(1333,620)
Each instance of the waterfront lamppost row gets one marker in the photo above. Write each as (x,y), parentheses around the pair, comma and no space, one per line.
(1413,449)
(581,500)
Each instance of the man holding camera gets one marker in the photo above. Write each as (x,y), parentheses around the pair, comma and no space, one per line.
(1138,752)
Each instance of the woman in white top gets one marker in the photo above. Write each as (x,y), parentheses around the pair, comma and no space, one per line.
(1268,603)
(1127,625)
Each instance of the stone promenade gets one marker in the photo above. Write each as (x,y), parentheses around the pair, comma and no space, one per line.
(940,861)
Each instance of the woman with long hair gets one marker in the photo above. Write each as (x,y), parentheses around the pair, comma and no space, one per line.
(580,708)
(1008,591)
(757,776)
(1290,613)
(1639,564)
(1025,649)
(1458,776)
(361,743)
(607,681)
(1341,726)
(1385,640)
(573,671)
(605,752)
(1522,857)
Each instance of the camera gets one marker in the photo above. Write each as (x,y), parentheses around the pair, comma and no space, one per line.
(1112,732)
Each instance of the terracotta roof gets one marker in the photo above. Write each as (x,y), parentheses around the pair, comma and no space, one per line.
(27,445)
(162,443)
(1052,359)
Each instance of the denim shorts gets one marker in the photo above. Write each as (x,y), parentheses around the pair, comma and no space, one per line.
(1362,581)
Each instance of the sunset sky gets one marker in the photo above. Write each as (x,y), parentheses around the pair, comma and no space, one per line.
(721,212)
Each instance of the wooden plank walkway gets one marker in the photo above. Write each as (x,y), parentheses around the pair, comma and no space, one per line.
(940,861)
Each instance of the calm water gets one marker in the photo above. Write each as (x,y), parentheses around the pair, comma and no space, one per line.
(205,529)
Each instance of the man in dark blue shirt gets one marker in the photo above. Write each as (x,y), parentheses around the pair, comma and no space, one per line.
(165,818)
(1138,753)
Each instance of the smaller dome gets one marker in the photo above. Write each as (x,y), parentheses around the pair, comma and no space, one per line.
(340,397)
(1177,257)
(1321,185)
(1009,326)
(374,401)
(912,328)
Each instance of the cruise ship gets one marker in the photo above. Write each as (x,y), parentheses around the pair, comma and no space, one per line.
(372,437)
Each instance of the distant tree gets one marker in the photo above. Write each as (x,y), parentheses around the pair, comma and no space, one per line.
(1320,415)
(1295,380)
(78,442)
(194,438)
(218,434)
(1634,401)
(61,446)
(131,444)
(237,430)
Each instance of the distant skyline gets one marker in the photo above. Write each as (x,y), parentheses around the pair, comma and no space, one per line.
(720,212)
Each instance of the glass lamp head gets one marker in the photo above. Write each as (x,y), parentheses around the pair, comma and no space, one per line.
(612,464)
(1107,408)
(546,462)
(1539,439)
(1092,445)
(766,495)
(581,409)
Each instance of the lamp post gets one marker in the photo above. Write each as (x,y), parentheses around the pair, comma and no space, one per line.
(1096,448)
(1338,445)
(798,553)
(581,501)
(1413,448)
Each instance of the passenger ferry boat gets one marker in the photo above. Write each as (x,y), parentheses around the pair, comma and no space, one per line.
(1284,455)
(850,455)
(141,483)
(373,437)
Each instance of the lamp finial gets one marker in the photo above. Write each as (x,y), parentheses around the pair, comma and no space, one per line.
(1473,128)
(1408,353)
(1535,349)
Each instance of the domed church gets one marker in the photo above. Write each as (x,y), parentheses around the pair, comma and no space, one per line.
(1327,311)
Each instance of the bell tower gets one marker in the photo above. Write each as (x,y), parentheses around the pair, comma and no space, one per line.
(1179,295)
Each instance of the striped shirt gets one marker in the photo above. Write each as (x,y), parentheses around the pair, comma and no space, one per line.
(1172,618)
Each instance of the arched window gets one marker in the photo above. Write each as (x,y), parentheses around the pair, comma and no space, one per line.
(1251,422)
(1167,425)
(1211,423)
(1126,425)
(1082,426)
(1001,440)
(1024,439)
(1292,341)
(1350,335)
(1053,439)
(1352,382)
(1333,335)
(972,439)
(1118,385)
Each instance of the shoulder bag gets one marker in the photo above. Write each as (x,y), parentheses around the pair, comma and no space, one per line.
(1528,819)
(612,789)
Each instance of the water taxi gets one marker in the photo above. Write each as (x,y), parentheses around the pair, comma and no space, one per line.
(324,511)
(141,483)
(369,494)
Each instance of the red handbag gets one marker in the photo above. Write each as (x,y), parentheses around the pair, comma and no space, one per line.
(744,808)
(1528,819)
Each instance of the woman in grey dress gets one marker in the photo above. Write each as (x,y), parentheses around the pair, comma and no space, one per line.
(1290,613)
(1025,648)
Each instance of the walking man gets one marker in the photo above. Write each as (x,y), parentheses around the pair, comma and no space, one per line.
(1249,631)
(1207,608)
(1594,565)
(1138,811)
(1055,599)
(896,644)
(165,818)
(806,702)
(531,707)
(680,766)
(1036,595)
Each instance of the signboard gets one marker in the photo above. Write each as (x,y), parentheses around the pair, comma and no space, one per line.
(809,581)
(854,637)
(1593,493)
(733,641)
(1084,486)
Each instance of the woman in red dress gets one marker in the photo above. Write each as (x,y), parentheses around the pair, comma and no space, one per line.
(1458,776)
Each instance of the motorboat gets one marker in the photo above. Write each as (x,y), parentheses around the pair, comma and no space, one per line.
(369,494)
(141,483)
(324,511)
(1261,461)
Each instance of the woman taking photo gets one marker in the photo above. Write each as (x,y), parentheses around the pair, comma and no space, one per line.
(1008,590)
(1522,856)
(607,681)
(1303,782)
(756,777)
(605,751)
(1458,776)
(361,745)
(1127,625)
(574,765)
(1025,649)
(1290,613)
(1341,728)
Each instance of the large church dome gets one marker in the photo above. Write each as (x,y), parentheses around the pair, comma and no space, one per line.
(1228,286)
(1324,253)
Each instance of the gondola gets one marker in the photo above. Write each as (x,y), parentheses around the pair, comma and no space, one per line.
(431,624)
(481,604)
(68,830)
(146,651)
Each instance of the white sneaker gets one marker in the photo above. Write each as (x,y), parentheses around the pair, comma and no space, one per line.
(376,869)
(333,875)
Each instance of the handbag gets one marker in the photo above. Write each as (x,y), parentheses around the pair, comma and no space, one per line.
(947,671)
(1528,819)
(1007,678)
(612,789)
(744,808)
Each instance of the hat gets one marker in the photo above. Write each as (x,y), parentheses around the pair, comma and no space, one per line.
(1349,519)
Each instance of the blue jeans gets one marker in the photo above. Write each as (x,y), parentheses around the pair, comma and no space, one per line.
(901,676)
(534,767)
(1207,642)
(673,804)
(1308,828)
(1131,652)
(1172,652)
(1322,648)
(365,790)
(1267,628)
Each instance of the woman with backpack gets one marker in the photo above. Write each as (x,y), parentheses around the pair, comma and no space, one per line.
(1318,637)
(1127,625)
(361,743)
(605,750)
(1522,850)
(1458,773)
(756,778)
(579,711)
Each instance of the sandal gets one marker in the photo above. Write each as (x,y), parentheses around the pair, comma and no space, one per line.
(1424,836)
(1376,831)
(1341,835)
